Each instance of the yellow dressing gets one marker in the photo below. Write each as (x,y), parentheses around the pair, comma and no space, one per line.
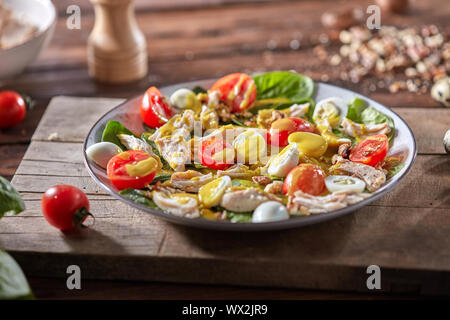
(309,144)
(142,168)
(211,193)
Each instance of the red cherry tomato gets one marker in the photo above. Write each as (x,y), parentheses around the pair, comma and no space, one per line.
(131,169)
(371,150)
(216,154)
(282,128)
(306,177)
(237,90)
(65,207)
(155,111)
(12,109)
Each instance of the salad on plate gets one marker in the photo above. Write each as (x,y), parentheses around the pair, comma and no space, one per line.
(249,149)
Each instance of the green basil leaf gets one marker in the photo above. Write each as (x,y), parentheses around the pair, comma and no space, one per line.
(394,170)
(138,196)
(161,178)
(283,84)
(239,216)
(355,108)
(10,201)
(112,129)
(198,90)
(371,115)
(13,284)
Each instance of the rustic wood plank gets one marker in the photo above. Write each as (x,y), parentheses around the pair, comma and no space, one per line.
(10,156)
(54,168)
(72,118)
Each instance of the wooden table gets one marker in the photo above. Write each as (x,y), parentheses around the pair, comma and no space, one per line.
(189,40)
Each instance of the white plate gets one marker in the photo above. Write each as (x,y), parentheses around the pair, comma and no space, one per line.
(128,114)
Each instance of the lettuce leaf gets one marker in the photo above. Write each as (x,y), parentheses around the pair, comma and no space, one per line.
(13,284)
(139,197)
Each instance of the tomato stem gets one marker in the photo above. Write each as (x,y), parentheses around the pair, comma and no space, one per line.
(79,217)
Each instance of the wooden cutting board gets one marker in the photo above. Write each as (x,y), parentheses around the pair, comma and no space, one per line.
(406,233)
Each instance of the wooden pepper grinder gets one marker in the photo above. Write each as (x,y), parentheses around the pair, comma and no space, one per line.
(117,50)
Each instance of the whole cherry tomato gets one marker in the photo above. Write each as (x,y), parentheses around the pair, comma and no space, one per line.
(282,128)
(12,109)
(238,91)
(155,110)
(216,154)
(65,207)
(371,150)
(306,177)
(131,169)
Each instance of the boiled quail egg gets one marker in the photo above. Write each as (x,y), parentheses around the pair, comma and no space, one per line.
(102,152)
(270,211)
(184,99)
(283,162)
(331,109)
(344,183)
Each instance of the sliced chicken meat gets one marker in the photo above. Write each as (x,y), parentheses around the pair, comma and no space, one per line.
(190,181)
(372,177)
(306,204)
(179,204)
(236,171)
(175,150)
(362,131)
(245,200)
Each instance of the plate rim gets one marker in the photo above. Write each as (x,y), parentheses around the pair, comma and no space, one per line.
(295,222)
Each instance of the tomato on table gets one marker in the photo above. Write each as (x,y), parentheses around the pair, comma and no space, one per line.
(306,177)
(132,169)
(155,110)
(371,151)
(282,128)
(12,109)
(216,154)
(65,207)
(238,91)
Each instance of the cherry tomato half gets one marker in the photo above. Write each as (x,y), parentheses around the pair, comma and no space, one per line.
(12,109)
(65,207)
(306,177)
(282,128)
(237,90)
(371,150)
(216,154)
(131,169)
(155,111)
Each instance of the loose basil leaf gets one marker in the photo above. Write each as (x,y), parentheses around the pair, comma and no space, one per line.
(10,201)
(394,170)
(355,108)
(283,84)
(239,216)
(13,284)
(198,90)
(112,129)
(341,134)
(371,115)
(138,196)
(237,122)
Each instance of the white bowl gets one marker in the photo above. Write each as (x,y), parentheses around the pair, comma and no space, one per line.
(40,13)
